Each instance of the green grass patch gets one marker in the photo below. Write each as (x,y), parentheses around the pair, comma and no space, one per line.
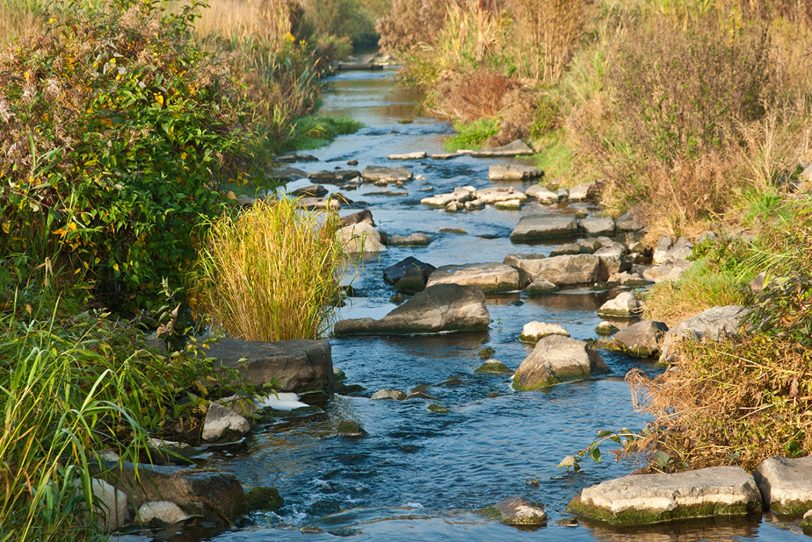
(471,135)
(555,157)
(314,131)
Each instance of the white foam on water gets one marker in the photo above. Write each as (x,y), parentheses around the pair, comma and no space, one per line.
(281,401)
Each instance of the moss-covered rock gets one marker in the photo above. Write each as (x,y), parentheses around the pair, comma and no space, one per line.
(493,366)
(350,428)
(517,512)
(437,409)
(262,498)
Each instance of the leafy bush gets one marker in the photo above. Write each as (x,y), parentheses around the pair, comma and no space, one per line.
(117,132)
(70,390)
(270,274)
(311,132)
(471,135)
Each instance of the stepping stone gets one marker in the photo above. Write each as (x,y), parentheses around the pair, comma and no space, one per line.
(311,191)
(499,194)
(487,277)
(557,359)
(645,499)
(413,239)
(334,176)
(407,156)
(542,195)
(582,192)
(786,485)
(513,172)
(386,175)
(533,332)
(641,340)
(543,227)
(625,305)
(577,270)
(516,148)
(597,225)
(409,275)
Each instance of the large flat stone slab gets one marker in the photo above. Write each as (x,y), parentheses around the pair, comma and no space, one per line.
(487,277)
(712,324)
(516,148)
(572,270)
(513,172)
(386,175)
(657,498)
(296,366)
(437,309)
(786,485)
(544,227)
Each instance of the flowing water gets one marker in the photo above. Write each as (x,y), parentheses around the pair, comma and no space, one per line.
(420,475)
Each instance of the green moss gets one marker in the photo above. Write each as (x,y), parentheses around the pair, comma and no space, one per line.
(631,518)
(493,367)
(312,132)
(555,156)
(486,353)
(792,509)
(437,409)
(471,135)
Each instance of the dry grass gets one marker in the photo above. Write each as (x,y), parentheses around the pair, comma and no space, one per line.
(239,19)
(19,21)
(270,274)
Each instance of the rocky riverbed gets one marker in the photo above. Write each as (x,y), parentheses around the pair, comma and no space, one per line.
(467,272)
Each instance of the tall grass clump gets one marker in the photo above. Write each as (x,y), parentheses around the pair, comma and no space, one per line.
(72,389)
(271,273)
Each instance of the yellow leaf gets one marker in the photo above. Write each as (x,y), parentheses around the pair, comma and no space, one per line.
(115,267)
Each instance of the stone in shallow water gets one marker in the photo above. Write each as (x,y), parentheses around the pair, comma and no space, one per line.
(493,366)
(419,155)
(386,175)
(360,238)
(534,331)
(543,227)
(161,513)
(597,225)
(515,148)
(606,328)
(557,359)
(786,485)
(350,428)
(223,423)
(391,395)
(437,409)
(409,275)
(542,195)
(625,305)
(488,277)
(641,340)
(540,287)
(574,270)
(513,172)
(413,239)
(439,308)
(656,498)
(517,512)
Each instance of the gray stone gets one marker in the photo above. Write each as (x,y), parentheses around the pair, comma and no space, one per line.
(499,194)
(516,148)
(319,204)
(557,359)
(437,309)
(360,238)
(630,222)
(606,329)
(460,195)
(597,225)
(624,305)
(542,195)
(392,395)
(474,205)
(356,218)
(786,485)
(161,513)
(350,428)
(509,205)
(223,423)
(337,176)
(513,172)
(543,227)
(581,246)
(712,324)
(640,340)
(533,332)
(540,287)
(409,275)
(613,259)
(311,191)
(656,498)
(110,505)
(295,366)
(386,175)
(582,192)
(419,155)
(518,513)
(632,280)
(488,277)
(287,174)
(216,496)
(665,272)
(560,270)
(413,239)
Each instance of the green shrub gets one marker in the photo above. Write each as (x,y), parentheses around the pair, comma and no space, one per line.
(118,132)
(312,132)
(270,274)
(472,135)
(72,389)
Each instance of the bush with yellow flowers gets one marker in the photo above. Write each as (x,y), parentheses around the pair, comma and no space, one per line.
(116,132)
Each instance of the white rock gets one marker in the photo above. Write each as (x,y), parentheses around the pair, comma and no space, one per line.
(509,205)
(360,238)
(499,194)
(624,305)
(534,331)
(786,484)
(221,421)
(110,505)
(164,512)
(542,195)
(408,156)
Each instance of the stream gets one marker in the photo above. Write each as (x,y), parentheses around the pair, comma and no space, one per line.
(420,475)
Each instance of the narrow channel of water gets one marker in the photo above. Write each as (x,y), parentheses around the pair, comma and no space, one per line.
(419,475)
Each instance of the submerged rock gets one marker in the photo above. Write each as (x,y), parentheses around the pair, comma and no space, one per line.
(409,275)
(391,395)
(413,239)
(543,227)
(606,328)
(437,409)
(625,305)
(493,366)
(641,340)
(557,359)
(656,498)
(294,366)
(534,331)
(488,277)
(517,512)
(786,485)
(262,498)
(513,172)
(439,308)
(350,428)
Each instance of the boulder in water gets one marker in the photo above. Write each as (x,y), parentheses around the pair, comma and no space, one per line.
(625,305)
(641,340)
(517,512)
(409,275)
(533,332)
(543,227)
(488,277)
(386,175)
(557,359)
